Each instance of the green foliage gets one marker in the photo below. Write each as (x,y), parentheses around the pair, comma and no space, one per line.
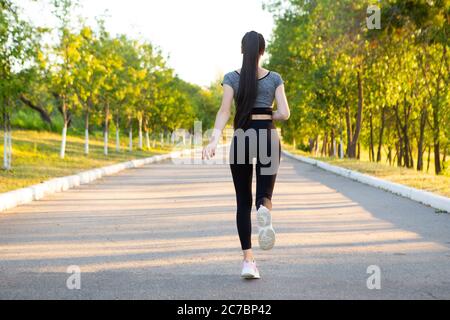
(25,119)
(385,90)
(17,44)
(90,78)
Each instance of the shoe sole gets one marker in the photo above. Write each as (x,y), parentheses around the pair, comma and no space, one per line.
(249,276)
(267,235)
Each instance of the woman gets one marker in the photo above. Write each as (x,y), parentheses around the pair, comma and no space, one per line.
(254,90)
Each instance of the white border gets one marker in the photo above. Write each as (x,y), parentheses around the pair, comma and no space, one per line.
(11,199)
(424,197)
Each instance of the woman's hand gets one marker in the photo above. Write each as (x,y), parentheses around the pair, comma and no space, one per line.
(209,151)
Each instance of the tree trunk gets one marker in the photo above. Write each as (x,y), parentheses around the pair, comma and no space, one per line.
(389,156)
(380,138)
(403,138)
(406,152)
(333,152)
(353,141)
(436,128)
(147,137)
(371,142)
(86,141)
(117,133)
(349,129)
(42,112)
(420,147)
(130,141)
(311,142)
(5,148)
(437,156)
(358,155)
(86,133)
(429,158)
(436,139)
(399,152)
(444,159)
(106,130)
(62,153)
(341,144)
(411,158)
(147,140)
(324,150)
(7,144)
(105,142)
(407,141)
(316,146)
(351,150)
(130,135)
(117,140)
(140,145)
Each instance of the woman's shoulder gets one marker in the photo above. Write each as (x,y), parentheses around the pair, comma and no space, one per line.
(232,74)
(276,78)
(275,74)
(231,78)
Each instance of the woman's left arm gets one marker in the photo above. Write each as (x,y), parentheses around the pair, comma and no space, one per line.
(223,115)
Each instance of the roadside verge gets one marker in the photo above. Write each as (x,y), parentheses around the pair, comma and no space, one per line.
(11,199)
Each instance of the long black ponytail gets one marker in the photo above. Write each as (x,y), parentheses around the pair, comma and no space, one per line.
(253,46)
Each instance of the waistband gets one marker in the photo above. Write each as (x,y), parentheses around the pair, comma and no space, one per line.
(262,111)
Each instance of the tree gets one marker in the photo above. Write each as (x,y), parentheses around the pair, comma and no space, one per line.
(17,45)
(88,76)
(64,56)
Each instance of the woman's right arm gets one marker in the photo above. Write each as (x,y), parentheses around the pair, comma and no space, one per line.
(283,112)
(223,115)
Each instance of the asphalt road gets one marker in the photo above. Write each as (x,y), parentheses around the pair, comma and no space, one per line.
(167,231)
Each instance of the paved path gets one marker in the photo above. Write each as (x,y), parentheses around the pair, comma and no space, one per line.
(168,231)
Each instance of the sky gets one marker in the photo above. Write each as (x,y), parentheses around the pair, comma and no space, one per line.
(201,38)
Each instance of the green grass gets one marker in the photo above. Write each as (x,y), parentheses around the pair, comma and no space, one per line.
(410,177)
(36,157)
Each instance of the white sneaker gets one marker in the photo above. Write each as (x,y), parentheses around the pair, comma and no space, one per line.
(266,232)
(250,271)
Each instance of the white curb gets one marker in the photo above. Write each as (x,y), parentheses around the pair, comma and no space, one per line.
(18,197)
(424,197)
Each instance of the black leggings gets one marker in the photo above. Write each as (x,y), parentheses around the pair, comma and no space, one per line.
(242,172)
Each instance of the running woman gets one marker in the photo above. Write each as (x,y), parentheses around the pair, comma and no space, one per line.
(254,90)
